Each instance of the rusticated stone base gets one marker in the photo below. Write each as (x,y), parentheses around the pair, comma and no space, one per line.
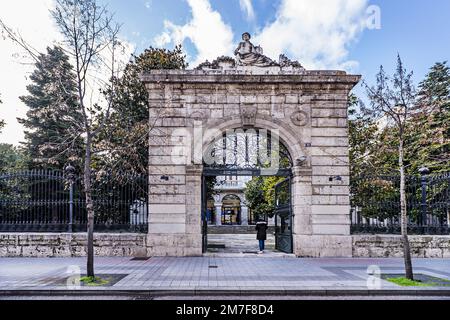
(322,246)
(174,245)
(46,245)
(390,246)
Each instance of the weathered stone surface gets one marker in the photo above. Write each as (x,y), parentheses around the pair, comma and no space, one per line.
(390,246)
(320,246)
(309,108)
(71,245)
(306,245)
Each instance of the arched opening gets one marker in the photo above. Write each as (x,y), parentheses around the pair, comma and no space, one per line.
(237,164)
(231,210)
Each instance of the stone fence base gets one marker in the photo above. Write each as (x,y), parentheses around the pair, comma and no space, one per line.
(135,245)
(71,245)
(390,246)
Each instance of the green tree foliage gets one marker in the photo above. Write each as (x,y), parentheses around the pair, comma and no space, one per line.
(260,195)
(260,191)
(363,132)
(11,158)
(256,200)
(13,191)
(430,132)
(371,154)
(374,146)
(126,138)
(52,138)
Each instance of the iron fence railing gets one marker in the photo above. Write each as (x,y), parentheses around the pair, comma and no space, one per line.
(375,204)
(53,201)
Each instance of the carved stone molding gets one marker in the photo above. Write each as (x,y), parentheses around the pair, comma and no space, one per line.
(197,115)
(285,62)
(248,115)
(300,118)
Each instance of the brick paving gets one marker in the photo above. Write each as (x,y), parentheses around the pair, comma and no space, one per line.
(214,273)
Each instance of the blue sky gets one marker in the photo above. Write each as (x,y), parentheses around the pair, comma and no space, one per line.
(321,34)
(418,30)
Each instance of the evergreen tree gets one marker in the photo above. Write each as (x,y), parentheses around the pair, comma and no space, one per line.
(363,133)
(52,138)
(126,138)
(11,158)
(431,123)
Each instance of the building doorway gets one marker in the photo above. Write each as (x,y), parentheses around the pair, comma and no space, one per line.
(231,210)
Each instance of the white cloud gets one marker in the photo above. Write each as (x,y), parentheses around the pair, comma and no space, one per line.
(211,36)
(148,4)
(36,26)
(247,8)
(317,33)
(33,20)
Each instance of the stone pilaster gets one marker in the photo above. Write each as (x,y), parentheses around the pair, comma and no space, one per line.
(330,202)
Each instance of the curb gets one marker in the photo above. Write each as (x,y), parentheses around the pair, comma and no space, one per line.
(190,292)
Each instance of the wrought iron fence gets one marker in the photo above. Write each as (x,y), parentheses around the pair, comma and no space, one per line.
(54,201)
(375,204)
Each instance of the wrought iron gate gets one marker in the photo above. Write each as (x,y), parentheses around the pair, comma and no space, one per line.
(283,216)
(253,152)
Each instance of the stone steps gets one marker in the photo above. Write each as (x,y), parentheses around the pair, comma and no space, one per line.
(238,243)
(236,229)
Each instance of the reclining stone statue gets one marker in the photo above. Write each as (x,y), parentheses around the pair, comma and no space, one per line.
(249,55)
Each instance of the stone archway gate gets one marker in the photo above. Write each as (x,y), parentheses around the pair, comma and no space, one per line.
(309,108)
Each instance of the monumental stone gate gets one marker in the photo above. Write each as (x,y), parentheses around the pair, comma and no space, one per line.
(307,108)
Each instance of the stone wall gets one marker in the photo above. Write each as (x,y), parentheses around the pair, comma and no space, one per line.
(71,245)
(390,246)
(135,245)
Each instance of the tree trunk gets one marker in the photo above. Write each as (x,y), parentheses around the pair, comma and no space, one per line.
(404,216)
(90,208)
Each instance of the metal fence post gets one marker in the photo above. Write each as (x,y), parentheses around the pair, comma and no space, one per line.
(70,174)
(423,204)
(71,207)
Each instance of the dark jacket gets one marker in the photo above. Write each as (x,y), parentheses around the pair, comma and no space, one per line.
(261,228)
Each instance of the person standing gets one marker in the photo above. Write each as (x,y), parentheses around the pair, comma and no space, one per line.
(261,235)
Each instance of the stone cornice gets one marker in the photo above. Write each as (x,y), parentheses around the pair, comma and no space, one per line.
(238,76)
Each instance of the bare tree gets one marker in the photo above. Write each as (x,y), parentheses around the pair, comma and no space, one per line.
(91,40)
(393,100)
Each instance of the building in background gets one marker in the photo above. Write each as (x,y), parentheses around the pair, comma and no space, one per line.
(228,205)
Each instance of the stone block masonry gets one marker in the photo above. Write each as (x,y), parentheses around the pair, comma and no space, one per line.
(390,246)
(307,108)
(60,245)
(50,245)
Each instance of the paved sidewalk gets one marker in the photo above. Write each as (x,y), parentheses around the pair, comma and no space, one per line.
(236,274)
